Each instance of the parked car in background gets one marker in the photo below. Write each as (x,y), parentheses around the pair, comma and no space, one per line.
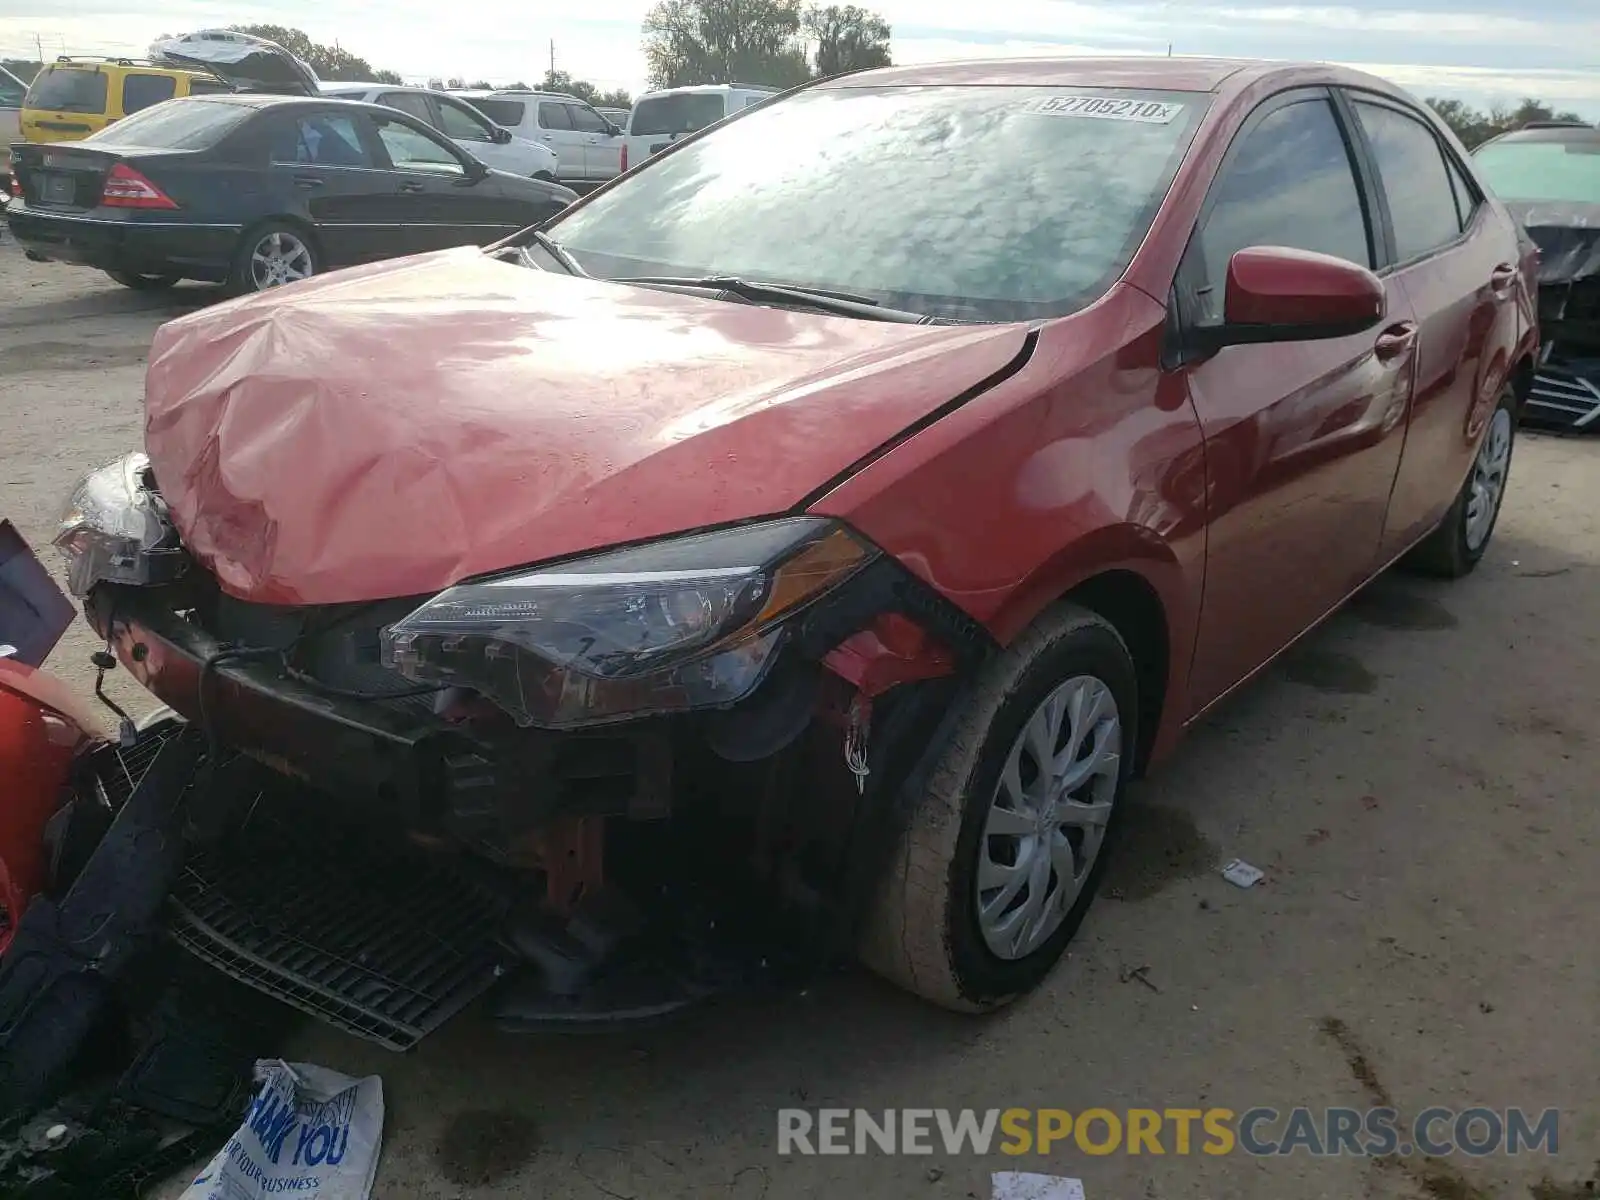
(617,116)
(258,190)
(73,97)
(1548,173)
(658,119)
(812,567)
(462,123)
(12,90)
(588,147)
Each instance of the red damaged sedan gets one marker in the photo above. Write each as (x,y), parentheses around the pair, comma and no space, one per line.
(797,545)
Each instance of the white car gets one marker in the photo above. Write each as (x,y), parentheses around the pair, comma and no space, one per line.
(495,145)
(589,146)
(660,118)
(12,90)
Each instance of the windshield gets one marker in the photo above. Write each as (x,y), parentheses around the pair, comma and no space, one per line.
(501,112)
(1542,170)
(68,89)
(683,113)
(175,125)
(966,203)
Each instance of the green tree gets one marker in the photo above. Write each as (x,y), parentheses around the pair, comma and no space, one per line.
(332,63)
(561,81)
(847,39)
(1474,127)
(725,41)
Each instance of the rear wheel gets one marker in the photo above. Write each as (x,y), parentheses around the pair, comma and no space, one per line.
(272,255)
(1458,544)
(1003,856)
(144,282)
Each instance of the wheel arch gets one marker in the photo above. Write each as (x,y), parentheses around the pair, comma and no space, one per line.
(1133,607)
(298,223)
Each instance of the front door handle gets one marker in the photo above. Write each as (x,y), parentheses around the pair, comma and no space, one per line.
(1502,278)
(411,187)
(1396,341)
(308,181)
(549,137)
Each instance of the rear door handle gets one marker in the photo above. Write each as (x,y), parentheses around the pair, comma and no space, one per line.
(1502,278)
(411,185)
(1395,341)
(307,181)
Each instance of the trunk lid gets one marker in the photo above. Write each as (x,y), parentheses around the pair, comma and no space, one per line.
(70,177)
(243,61)
(389,430)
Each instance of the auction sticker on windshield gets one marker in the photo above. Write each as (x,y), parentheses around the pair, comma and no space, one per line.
(1106,108)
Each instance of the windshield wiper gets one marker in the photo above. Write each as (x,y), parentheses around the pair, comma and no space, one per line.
(551,247)
(845,304)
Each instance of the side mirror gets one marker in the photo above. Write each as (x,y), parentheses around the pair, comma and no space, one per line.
(1275,294)
(616,131)
(501,136)
(476,171)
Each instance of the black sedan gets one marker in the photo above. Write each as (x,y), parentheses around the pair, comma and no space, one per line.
(259,190)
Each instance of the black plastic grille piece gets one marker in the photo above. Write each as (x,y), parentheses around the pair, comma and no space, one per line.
(384,946)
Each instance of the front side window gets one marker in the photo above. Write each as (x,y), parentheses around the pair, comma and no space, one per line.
(68,89)
(408,102)
(141,91)
(1289,183)
(975,203)
(1422,204)
(585,120)
(322,139)
(461,123)
(411,150)
(1542,167)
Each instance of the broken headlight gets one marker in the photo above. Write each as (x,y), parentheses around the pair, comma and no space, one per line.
(691,622)
(115,529)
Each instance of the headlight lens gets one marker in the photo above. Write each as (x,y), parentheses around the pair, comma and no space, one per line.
(115,529)
(689,623)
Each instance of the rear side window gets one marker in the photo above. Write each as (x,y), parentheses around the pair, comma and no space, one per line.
(1422,204)
(325,139)
(501,112)
(554,116)
(1290,183)
(683,113)
(207,87)
(181,125)
(68,89)
(141,91)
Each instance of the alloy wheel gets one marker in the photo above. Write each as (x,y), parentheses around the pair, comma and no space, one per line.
(1047,820)
(278,258)
(1488,479)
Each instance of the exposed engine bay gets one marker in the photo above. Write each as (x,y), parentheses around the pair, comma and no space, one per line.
(1566,392)
(388,818)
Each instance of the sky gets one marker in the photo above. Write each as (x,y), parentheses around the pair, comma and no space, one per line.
(1482,51)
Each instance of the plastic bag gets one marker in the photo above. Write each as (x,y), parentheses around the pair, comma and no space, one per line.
(309,1131)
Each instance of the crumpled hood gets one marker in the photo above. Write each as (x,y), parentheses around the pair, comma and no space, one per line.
(1567,234)
(390,430)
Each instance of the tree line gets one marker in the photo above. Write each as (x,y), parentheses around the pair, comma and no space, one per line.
(1474,127)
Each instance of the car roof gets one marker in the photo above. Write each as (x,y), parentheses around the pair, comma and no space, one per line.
(689,88)
(274,100)
(1565,135)
(1221,75)
(512,93)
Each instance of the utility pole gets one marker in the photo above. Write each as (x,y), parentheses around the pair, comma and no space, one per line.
(552,56)
(38,47)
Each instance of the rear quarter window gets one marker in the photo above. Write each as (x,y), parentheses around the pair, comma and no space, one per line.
(181,125)
(68,89)
(142,91)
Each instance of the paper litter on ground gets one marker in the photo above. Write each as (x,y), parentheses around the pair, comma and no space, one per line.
(1020,1185)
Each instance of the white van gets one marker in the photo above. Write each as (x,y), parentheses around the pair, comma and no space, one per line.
(588,146)
(660,118)
(461,122)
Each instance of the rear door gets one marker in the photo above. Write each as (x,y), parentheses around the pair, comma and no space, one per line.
(556,131)
(1457,262)
(322,163)
(1302,438)
(602,150)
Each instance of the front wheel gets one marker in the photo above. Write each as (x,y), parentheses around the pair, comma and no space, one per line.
(144,282)
(272,255)
(1003,855)
(1458,544)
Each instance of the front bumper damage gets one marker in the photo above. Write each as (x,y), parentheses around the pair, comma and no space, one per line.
(381,865)
(1566,387)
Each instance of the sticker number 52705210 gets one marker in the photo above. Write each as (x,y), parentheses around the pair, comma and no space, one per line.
(1106,108)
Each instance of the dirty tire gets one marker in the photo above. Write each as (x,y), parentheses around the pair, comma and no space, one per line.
(1447,552)
(923,932)
(243,277)
(143,283)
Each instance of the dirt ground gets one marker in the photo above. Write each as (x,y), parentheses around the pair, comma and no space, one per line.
(1417,781)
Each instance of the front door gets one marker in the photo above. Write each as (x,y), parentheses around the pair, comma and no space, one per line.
(442,205)
(1302,439)
(556,131)
(1457,266)
(602,152)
